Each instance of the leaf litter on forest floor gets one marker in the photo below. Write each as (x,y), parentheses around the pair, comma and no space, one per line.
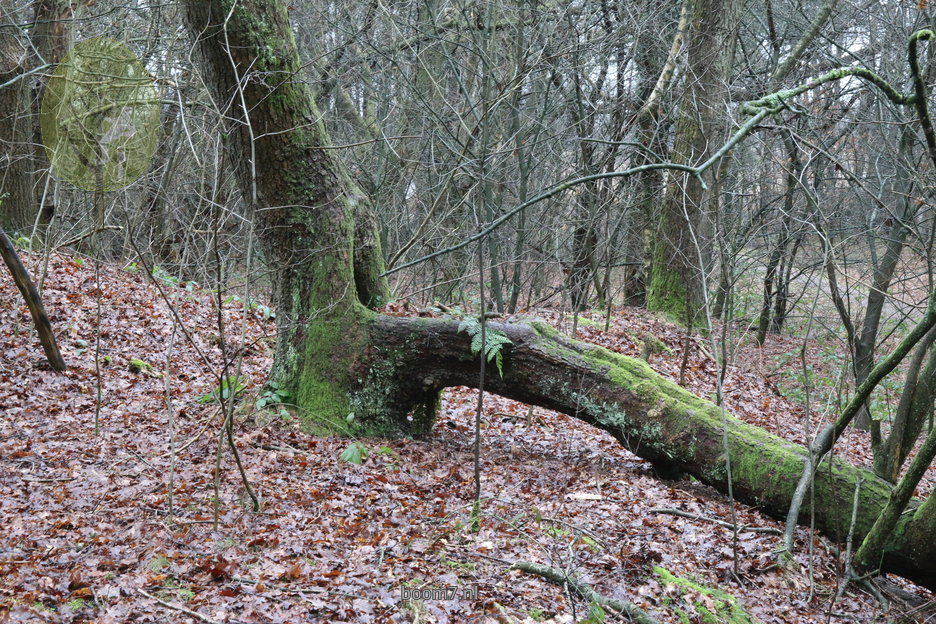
(87,535)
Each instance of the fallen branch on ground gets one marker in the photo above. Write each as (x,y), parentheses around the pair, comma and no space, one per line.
(585,591)
(721,523)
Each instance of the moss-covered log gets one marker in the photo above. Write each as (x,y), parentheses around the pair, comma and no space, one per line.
(412,359)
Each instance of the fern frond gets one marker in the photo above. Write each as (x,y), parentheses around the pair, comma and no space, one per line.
(494,342)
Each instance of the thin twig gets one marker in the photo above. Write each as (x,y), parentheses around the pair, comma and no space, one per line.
(169,605)
(741,529)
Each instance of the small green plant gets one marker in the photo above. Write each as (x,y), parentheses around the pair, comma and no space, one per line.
(537,614)
(156,564)
(75,605)
(77,261)
(557,531)
(186,594)
(273,395)
(494,341)
(274,398)
(133,268)
(230,387)
(392,457)
(22,242)
(596,614)
(592,545)
(356,453)
(164,276)
(42,607)
(182,592)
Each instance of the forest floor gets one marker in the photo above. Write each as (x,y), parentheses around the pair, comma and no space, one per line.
(91,534)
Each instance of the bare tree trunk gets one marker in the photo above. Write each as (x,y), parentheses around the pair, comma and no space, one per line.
(33,301)
(884,271)
(16,133)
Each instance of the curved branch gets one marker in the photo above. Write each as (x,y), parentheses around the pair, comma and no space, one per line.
(787,63)
(777,101)
(543,196)
(919,88)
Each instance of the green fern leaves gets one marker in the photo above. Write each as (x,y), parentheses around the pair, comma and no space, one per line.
(493,339)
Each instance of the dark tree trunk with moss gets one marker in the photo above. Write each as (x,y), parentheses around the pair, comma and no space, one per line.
(339,358)
(314,225)
(675,286)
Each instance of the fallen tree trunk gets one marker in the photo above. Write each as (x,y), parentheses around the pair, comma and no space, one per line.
(412,359)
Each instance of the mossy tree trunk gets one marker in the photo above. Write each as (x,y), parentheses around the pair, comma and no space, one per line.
(674,282)
(338,357)
(308,213)
(412,359)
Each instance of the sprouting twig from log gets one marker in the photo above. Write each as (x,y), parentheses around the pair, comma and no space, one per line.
(721,523)
(585,591)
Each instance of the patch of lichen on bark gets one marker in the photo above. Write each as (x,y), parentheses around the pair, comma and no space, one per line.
(264,26)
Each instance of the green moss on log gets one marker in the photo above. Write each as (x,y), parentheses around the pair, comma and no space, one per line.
(709,605)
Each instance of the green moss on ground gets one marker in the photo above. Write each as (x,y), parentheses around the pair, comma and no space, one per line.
(695,602)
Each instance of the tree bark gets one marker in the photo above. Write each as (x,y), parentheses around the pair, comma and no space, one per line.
(15,134)
(675,285)
(33,302)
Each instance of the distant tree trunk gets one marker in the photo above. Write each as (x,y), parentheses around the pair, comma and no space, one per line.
(675,286)
(780,260)
(49,37)
(657,74)
(16,134)
(342,362)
